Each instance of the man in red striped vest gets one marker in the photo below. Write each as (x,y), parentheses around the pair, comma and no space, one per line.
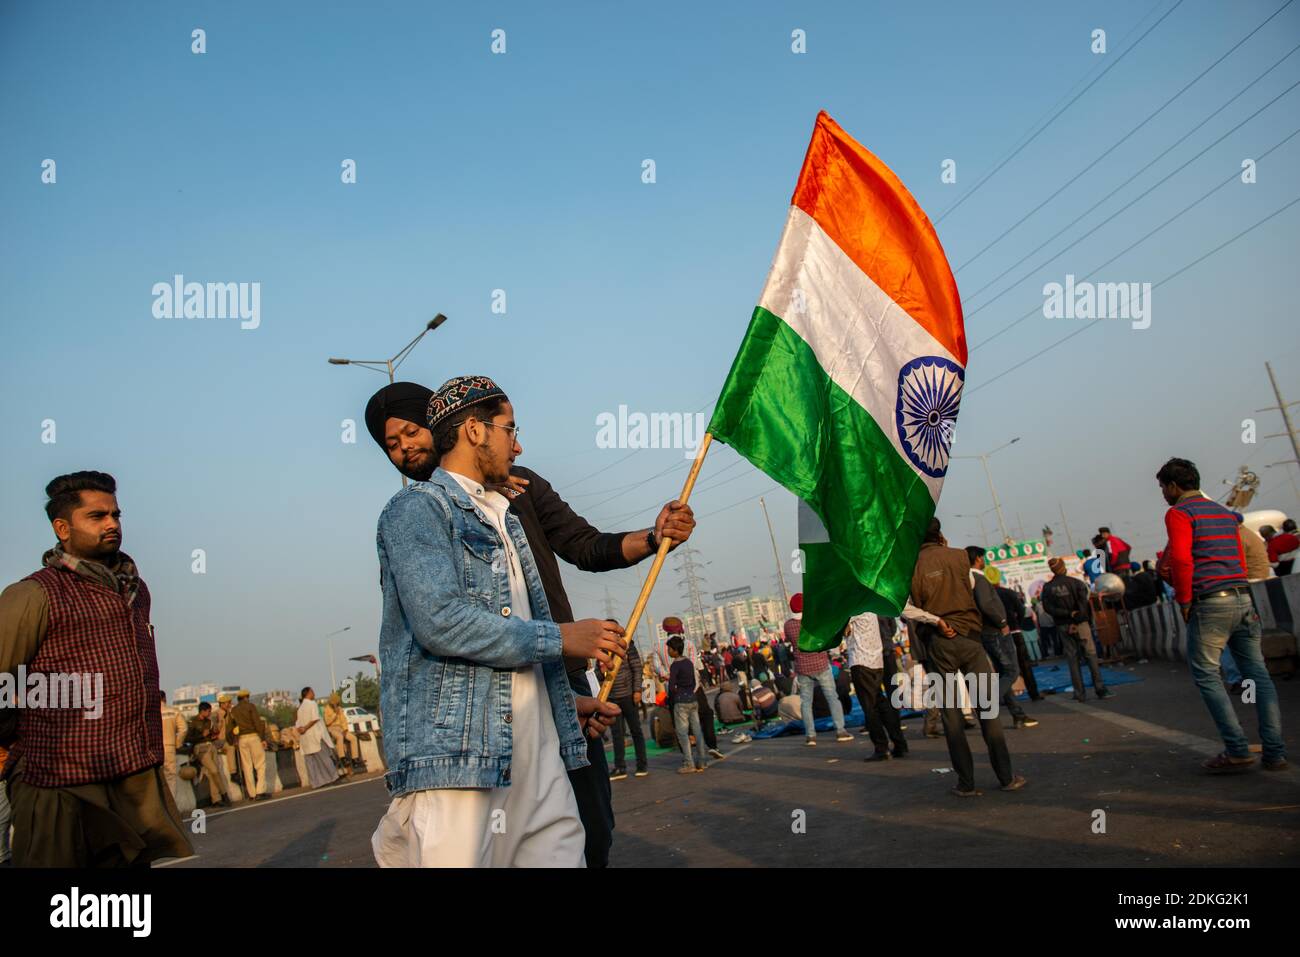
(1207,567)
(85,765)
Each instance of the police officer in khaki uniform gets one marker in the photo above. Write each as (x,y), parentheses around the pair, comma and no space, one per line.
(247,731)
(203,743)
(220,718)
(173,728)
(226,758)
(336,723)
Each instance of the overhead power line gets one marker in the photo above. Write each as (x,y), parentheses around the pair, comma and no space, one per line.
(1129,248)
(1123,139)
(1171,276)
(602,471)
(1016,152)
(1154,186)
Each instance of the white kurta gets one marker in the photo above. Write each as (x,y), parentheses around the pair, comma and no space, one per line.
(532,823)
(315,737)
(864,644)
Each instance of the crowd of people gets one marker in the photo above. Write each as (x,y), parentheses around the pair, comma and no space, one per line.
(494,727)
(974,626)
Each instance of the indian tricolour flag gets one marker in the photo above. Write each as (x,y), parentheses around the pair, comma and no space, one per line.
(846,386)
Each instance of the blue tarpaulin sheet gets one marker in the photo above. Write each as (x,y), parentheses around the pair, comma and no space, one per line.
(1057,678)
(1054,677)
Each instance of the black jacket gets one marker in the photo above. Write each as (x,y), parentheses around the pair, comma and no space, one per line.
(553,528)
(1066,600)
(993,617)
(1014,606)
(1141,590)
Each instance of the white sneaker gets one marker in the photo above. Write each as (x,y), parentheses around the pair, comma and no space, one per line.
(810,742)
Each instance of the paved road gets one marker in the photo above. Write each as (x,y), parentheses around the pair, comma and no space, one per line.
(1135,757)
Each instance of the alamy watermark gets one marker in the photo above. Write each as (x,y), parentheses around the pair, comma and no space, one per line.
(982,692)
(1099,300)
(53,690)
(127,911)
(656,430)
(179,299)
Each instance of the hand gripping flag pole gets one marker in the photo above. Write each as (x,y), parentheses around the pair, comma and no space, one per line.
(664,544)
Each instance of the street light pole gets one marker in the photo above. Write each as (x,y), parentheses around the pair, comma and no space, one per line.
(1002,522)
(1282,407)
(330,641)
(775,554)
(984,457)
(1064,521)
(390,365)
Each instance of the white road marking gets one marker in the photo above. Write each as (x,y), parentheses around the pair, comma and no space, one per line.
(247,805)
(250,805)
(1192,742)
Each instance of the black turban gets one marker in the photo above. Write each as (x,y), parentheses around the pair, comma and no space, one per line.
(408,401)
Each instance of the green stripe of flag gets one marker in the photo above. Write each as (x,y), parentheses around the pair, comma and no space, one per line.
(781,411)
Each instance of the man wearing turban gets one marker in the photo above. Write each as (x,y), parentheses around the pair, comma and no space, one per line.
(550,527)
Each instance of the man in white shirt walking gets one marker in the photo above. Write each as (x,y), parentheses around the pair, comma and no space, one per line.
(866,653)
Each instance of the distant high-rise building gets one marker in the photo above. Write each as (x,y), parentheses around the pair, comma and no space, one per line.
(186,698)
(207,691)
(274,699)
(745,616)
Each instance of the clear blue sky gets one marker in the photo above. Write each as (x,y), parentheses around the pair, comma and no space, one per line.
(523,172)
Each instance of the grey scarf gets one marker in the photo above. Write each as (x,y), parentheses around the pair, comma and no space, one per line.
(122,577)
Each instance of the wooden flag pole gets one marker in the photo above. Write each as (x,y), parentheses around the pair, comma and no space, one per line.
(664,544)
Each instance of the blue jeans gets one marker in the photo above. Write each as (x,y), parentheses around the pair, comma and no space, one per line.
(1231,621)
(686,721)
(806,685)
(1231,673)
(1001,650)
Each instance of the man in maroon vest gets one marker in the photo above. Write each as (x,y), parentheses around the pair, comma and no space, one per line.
(1207,567)
(84,767)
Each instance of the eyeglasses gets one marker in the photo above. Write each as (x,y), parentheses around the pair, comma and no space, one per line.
(512,429)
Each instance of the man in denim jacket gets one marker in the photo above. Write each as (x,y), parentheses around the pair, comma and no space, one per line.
(479,718)
(397,419)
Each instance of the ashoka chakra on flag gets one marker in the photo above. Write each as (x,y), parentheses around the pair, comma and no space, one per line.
(846,386)
(929,394)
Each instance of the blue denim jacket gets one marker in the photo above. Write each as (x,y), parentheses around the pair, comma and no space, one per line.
(449,643)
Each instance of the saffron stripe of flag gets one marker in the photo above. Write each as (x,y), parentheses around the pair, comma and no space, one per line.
(847,384)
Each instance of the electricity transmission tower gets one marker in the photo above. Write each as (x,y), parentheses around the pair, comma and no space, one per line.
(689,568)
